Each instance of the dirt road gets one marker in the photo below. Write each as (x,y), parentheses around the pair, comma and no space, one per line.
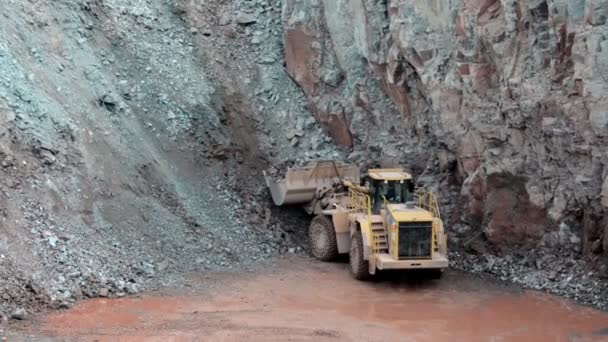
(300,300)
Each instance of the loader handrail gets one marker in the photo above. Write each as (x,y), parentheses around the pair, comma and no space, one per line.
(428,201)
(386,205)
(359,201)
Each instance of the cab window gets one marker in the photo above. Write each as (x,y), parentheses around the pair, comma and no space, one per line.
(393,191)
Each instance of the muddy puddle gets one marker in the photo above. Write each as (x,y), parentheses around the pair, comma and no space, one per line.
(306,301)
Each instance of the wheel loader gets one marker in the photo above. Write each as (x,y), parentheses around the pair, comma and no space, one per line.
(378,219)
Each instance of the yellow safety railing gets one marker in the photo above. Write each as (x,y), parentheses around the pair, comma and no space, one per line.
(359,202)
(386,205)
(428,201)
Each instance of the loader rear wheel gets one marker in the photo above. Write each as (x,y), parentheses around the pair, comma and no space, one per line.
(359,267)
(322,235)
(435,274)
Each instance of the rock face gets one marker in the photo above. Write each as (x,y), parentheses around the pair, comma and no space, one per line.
(506,101)
(119,131)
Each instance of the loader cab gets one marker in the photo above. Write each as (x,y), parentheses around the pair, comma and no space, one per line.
(394,185)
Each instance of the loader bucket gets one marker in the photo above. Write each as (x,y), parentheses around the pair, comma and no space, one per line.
(301,185)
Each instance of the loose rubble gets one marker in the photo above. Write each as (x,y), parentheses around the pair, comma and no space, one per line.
(559,275)
(92,202)
(133,135)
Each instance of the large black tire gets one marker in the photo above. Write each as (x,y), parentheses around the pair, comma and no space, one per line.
(359,267)
(435,273)
(322,236)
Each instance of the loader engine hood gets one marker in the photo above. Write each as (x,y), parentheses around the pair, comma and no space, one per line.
(402,213)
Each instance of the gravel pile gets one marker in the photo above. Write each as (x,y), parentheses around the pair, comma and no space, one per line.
(559,275)
(102,192)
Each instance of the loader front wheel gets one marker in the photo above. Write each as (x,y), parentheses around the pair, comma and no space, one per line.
(435,274)
(322,236)
(359,267)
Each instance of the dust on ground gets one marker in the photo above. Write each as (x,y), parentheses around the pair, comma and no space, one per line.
(300,300)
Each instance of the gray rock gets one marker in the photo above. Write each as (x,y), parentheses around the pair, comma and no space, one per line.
(316,144)
(244,18)
(552,276)
(53,241)
(109,101)
(19,314)
(596,247)
(224,20)
(267,60)
(132,288)
(48,157)
(104,292)
(575,240)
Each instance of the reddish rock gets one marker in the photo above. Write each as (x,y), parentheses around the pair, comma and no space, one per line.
(299,57)
(512,220)
(464,69)
(337,127)
(449,105)
(580,87)
(469,153)
(460,27)
(484,78)
(488,10)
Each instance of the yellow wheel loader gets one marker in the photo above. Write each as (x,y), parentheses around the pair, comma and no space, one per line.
(379,220)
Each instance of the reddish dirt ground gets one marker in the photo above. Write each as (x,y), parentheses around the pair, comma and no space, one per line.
(299,300)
